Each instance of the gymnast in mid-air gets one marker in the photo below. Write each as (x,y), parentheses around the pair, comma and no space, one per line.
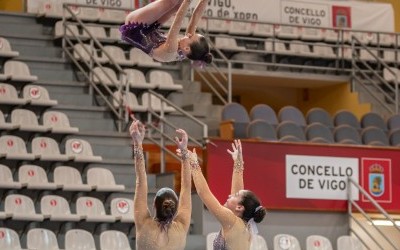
(142,30)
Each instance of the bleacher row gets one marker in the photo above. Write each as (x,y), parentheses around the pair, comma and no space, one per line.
(41,182)
(317,126)
(314,47)
(38,96)
(41,238)
(313,242)
(92,14)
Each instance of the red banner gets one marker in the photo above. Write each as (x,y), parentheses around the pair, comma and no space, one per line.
(341,16)
(265,173)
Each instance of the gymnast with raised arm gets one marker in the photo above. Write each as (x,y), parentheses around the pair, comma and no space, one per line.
(142,30)
(241,210)
(170,224)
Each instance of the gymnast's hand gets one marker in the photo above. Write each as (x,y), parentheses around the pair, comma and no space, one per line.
(236,152)
(182,143)
(137,132)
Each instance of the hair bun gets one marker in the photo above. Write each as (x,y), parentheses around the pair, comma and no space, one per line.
(260,214)
(208,58)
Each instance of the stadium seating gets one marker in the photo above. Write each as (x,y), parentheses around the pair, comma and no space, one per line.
(265,113)
(106,76)
(260,129)
(293,114)
(290,131)
(286,242)
(41,238)
(153,102)
(14,148)
(47,149)
(35,177)
(58,122)
(136,79)
(141,59)
(346,242)
(70,179)
(10,239)
(38,96)
(79,239)
(163,80)
(27,121)
(122,209)
(129,100)
(18,71)
(56,208)
(6,179)
(93,210)
(235,120)
(346,134)
(6,125)
(319,133)
(102,180)
(9,96)
(394,138)
(372,119)
(6,50)
(374,136)
(319,115)
(112,239)
(346,117)
(21,207)
(316,242)
(80,150)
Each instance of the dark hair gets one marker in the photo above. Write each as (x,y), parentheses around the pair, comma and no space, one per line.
(166,203)
(252,207)
(200,51)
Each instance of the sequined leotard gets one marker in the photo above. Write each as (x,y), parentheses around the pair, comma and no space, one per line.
(219,242)
(145,37)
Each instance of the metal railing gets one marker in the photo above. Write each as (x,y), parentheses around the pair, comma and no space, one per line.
(351,203)
(120,111)
(340,63)
(86,67)
(371,76)
(164,124)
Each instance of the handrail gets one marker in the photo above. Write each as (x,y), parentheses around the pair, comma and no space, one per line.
(356,70)
(164,136)
(351,203)
(226,80)
(94,41)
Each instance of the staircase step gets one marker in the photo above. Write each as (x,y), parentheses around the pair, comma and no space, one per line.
(17,18)
(50,68)
(76,99)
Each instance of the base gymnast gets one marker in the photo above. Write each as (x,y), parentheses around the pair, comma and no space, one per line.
(141,29)
(168,228)
(242,210)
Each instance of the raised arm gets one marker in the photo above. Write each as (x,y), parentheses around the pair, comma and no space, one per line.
(172,36)
(223,214)
(141,211)
(185,198)
(238,167)
(196,16)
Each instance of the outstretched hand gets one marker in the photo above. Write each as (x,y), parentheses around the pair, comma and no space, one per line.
(137,132)
(182,143)
(236,152)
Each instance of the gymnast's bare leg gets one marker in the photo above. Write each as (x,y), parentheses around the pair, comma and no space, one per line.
(157,11)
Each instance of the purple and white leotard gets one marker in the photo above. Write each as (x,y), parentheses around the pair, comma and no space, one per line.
(145,37)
